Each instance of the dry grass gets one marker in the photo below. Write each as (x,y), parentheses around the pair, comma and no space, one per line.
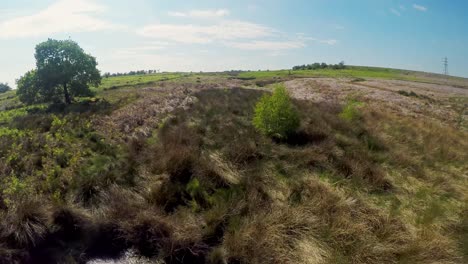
(26,223)
(204,187)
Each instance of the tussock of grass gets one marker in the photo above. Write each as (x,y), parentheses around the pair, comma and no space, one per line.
(25,223)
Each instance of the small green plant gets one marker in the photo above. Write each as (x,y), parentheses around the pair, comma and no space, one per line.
(350,111)
(275,114)
(15,188)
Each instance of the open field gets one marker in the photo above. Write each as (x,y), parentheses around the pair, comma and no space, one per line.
(363,72)
(118,81)
(170,168)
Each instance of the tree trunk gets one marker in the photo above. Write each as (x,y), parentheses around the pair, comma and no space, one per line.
(67,95)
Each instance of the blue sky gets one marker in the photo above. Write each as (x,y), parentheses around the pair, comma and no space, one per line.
(208,35)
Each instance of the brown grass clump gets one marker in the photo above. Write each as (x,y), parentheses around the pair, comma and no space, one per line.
(274,236)
(25,223)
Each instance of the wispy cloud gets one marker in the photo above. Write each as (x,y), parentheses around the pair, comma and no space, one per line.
(267,45)
(395,12)
(61,16)
(420,7)
(189,33)
(176,14)
(402,7)
(304,37)
(211,13)
(231,33)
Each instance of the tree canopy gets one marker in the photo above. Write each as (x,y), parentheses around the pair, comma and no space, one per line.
(4,87)
(63,71)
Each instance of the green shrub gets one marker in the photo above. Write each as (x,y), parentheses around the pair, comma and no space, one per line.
(275,114)
(351,111)
(4,87)
(15,188)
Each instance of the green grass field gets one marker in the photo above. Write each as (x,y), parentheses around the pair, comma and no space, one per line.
(131,80)
(349,72)
(359,72)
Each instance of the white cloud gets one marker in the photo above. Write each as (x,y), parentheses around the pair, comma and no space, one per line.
(188,33)
(235,34)
(177,14)
(211,13)
(61,16)
(395,12)
(420,7)
(267,45)
(402,7)
(304,37)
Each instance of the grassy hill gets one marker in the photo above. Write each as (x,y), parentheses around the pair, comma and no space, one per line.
(170,167)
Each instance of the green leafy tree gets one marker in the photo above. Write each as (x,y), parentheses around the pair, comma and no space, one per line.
(4,87)
(28,90)
(64,70)
(275,115)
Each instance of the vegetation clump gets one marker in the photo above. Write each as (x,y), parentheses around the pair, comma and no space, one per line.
(317,66)
(4,87)
(64,70)
(350,111)
(275,114)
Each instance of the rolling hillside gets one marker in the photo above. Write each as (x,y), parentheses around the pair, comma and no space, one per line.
(168,168)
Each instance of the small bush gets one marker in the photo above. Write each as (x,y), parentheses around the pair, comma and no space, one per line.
(4,87)
(350,111)
(275,114)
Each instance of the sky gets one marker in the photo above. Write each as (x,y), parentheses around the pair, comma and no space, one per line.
(218,35)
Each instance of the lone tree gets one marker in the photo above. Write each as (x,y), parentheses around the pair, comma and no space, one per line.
(64,70)
(4,87)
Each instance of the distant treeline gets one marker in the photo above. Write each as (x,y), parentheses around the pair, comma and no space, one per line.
(4,87)
(141,72)
(323,65)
